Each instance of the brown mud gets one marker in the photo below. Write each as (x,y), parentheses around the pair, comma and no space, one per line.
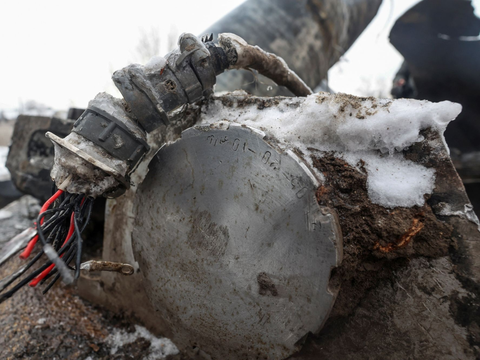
(374,238)
(409,281)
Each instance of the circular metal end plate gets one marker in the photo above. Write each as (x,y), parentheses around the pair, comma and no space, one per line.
(234,247)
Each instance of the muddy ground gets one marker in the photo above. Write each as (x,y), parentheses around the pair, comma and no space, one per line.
(58,325)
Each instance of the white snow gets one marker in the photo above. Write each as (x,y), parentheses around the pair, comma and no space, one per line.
(393,181)
(5,214)
(159,347)
(373,130)
(156,63)
(4,173)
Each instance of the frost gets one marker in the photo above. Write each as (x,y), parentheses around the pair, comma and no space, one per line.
(159,347)
(369,129)
(156,63)
(394,181)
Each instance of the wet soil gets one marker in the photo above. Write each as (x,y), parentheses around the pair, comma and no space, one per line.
(60,325)
(377,241)
(409,281)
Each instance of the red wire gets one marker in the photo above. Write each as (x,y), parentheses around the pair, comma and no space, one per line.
(45,272)
(31,244)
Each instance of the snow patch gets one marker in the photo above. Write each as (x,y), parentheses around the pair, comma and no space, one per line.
(159,347)
(369,129)
(393,181)
(4,173)
(155,64)
(5,214)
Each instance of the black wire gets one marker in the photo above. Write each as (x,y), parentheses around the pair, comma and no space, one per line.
(51,236)
(46,227)
(51,284)
(40,231)
(78,207)
(69,256)
(48,276)
(34,274)
(61,235)
(54,220)
(20,272)
(57,218)
(54,188)
(55,228)
(88,212)
(62,231)
(26,280)
(76,218)
(54,270)
(79,248)
(51,222)
(65,207)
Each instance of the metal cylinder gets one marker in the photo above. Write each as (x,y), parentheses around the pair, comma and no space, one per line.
(310,35)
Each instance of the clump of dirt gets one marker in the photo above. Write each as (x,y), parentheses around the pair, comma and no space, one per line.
(376,240)
(241,102)
(266,285)
(353,105)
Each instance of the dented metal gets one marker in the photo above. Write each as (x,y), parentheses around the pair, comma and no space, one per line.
(229,236)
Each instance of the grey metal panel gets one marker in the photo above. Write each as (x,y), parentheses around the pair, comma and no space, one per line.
(234,247)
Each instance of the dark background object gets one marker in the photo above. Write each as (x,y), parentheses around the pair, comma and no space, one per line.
(441,45)
(30,158)
(8,193)
(436,37)
(74,113)
(403,84)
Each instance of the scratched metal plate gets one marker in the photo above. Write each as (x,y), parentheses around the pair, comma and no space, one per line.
(236,251)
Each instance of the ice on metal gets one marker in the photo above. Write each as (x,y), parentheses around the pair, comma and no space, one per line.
(369,129)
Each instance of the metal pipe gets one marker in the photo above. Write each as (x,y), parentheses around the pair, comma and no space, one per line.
(310,35)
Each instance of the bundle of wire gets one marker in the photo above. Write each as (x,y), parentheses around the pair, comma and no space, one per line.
(59,230)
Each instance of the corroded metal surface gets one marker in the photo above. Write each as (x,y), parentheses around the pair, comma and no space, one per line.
(96,265)
(235,249)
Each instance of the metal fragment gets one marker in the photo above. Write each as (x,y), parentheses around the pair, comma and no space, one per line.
(95,265)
